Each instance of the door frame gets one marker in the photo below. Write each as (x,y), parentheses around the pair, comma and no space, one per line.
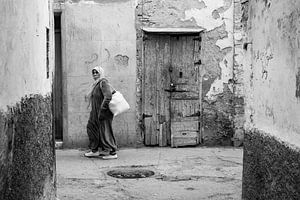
(170,31)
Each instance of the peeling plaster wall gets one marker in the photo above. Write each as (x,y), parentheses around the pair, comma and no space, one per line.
(272,65)
(97,33)
(216,18)
(27,157)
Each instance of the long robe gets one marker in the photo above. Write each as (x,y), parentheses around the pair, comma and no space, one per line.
(99,127)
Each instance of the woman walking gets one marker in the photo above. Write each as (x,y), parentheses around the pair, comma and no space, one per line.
(99,126)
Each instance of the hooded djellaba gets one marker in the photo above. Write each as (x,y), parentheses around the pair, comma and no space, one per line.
(102,142)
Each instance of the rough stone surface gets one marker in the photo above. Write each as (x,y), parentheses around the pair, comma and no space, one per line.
(270,168)
(28,157)
(238,74)
(5,151)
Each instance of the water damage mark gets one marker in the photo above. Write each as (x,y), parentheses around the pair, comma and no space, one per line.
(28,150)
(121,60)
(93,57)
(218,119)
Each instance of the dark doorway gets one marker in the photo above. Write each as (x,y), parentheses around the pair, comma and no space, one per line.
(57,89)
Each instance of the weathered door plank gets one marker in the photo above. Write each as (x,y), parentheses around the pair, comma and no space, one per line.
(149,92)
(163,81)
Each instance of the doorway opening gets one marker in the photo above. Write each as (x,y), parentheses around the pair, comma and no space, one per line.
(172,89)
(57,82)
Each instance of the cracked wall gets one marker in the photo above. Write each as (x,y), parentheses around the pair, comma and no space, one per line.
(217,50)
(272,114)
(27,157)
(97,33)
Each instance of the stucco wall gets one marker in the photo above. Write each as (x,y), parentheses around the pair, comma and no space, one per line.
(97,33)
(272,65)
(272,87)
(216,18)
(22,36)
(27,160)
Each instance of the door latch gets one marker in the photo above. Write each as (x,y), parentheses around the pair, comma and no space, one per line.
(146,115)
(172,88)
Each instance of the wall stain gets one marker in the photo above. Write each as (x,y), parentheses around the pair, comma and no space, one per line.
(92,59)
(298,82)
(121,60)
(218,119)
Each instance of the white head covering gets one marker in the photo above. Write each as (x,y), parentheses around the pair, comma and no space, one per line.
(100,70)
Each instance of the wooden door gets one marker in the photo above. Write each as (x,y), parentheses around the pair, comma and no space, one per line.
(185,91)
(170,90)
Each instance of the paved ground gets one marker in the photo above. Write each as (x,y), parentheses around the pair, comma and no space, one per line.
(180,174)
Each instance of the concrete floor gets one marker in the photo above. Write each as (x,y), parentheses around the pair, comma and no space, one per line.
(180,174)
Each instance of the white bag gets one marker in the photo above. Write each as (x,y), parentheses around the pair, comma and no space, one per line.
(118,104)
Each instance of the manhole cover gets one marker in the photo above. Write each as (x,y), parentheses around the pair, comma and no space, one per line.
(130,173)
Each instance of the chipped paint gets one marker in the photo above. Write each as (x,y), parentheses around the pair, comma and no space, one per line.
(204,17)
(217,86)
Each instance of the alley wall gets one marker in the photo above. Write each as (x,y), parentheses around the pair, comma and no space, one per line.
(110,34)
(97,33)
(27,160)
(272,67)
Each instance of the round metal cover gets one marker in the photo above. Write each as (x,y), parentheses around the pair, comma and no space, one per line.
(130,173)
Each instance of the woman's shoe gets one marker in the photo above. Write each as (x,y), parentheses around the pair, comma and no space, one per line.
(92,154)
(103,153)
(110,156)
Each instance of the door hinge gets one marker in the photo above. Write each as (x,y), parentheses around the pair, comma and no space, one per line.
(196,114)
(199,62)
(145,37)
(198,38)
(146,115)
